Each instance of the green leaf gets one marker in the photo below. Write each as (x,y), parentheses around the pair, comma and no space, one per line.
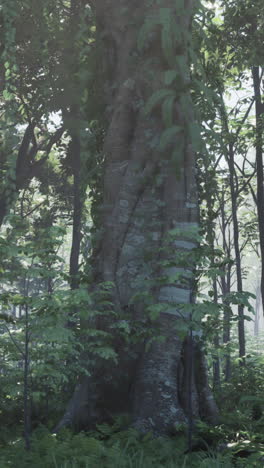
(194,132)
(153,339)
(182,64)
(157,97)
(255,399)
(166,35)
(168,136)
(178,156)
(147,27)
(7,318)
(167,110)
(7,95)
(170,76)
(105,352)
(154,310)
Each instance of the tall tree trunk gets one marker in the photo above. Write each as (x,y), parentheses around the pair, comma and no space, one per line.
(257,311)
(216,359)
(148,215)
(27,408)
(234,193)
(226,329)
(230,157)
(74,149)
(259,165)
(225,287)
(211,242)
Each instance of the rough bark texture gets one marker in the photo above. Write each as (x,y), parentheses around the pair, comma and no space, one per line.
(143,201)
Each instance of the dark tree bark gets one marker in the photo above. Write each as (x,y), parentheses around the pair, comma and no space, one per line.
(27,167)
(27,409)
(234,189)
(259,165)
(143,202)
(74,149)
(226,286)
(211,242)
(216,358)
(234,193)
(226,327)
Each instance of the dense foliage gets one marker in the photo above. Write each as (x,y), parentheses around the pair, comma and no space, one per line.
(53,125)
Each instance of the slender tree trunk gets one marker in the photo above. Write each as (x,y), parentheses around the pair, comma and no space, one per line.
(3,210)
(27,396)
(257,311)
(72,119)
(226,331)
(26,387)
(225,287)
(211,241)
(259,165)
(216,359)
(234,190)
(77,212)
(230,157)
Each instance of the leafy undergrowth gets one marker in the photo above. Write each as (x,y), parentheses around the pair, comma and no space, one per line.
(107,448)
(238,441)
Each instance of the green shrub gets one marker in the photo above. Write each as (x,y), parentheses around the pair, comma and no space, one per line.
(124,449)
